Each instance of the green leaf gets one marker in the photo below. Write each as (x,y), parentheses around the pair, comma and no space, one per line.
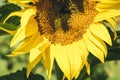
(7,26)
(6,9)
(21,75)
(11,23)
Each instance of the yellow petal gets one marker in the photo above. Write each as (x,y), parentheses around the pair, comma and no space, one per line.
(106,14)
(34,60)
(26,1)
(87,67)
(14,54)
(29,12)
(20,35)
(70,59)
(108,1)
(100,31)
(12,1)
(35,55)
(8,31)
(62,59)
(24,32)
(23,3)
(103,6)
(94,49)
(84,55)
(48,60)
(23,48)
(84,50)
(98,42)
(29,27)
(35,40)
(113,26)
(112,22)
(74,57)
(78,58)
(18,13)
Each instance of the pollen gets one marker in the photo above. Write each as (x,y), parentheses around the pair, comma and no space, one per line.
(64,22)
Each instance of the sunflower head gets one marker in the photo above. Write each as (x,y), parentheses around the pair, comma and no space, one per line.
(65,31)
(68,20)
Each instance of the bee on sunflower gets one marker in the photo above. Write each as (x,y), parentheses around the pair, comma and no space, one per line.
(64,31)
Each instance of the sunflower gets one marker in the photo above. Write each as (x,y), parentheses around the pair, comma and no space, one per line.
(65,31)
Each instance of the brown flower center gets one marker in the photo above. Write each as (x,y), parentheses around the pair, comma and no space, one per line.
(64,21)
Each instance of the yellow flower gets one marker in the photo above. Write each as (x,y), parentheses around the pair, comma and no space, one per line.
(65,31)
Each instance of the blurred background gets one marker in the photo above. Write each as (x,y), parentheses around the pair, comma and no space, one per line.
(14,68)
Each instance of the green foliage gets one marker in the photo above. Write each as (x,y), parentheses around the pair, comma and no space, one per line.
(21,75)
(8,26)
(2,2)
(107,71)
(6,9)
(13,22)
